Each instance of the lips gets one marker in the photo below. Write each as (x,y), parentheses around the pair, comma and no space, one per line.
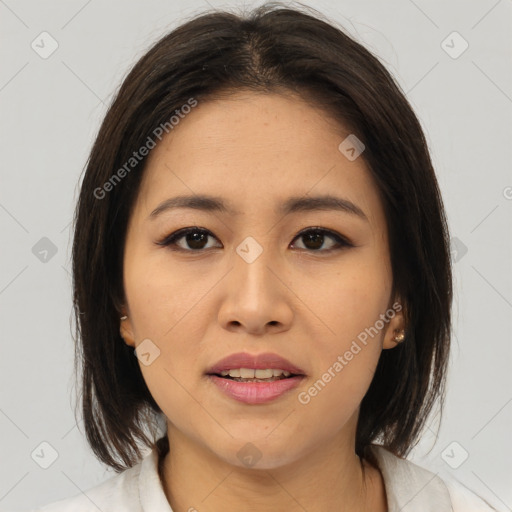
(258,362)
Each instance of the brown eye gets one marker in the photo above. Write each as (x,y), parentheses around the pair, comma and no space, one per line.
(314,239)
(194,239)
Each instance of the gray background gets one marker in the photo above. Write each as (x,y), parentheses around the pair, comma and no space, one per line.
(51,110)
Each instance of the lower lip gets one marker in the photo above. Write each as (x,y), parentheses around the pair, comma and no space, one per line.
(255,392)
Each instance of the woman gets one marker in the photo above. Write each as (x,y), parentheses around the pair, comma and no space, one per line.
(260,225)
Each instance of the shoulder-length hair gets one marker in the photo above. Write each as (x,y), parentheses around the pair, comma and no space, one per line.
(272,49)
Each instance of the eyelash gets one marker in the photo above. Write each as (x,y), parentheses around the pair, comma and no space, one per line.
(170,240)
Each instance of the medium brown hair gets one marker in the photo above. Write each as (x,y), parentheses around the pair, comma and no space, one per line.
(271,49)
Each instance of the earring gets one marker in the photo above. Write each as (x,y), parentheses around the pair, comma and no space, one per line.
(124,317)
(399,336)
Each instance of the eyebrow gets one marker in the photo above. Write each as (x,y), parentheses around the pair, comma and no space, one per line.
(291,205)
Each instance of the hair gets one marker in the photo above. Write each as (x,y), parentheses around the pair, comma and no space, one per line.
(272,49)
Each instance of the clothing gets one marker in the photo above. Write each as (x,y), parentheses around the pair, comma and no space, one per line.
(409,488)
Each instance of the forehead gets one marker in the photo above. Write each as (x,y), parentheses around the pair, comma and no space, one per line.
(256,150)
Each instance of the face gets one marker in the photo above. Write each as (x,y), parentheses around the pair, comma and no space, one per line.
(312,286)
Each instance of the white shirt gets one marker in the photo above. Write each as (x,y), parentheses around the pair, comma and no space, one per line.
(409,488)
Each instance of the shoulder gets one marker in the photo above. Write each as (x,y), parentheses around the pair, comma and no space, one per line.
(412,488)
(119,492)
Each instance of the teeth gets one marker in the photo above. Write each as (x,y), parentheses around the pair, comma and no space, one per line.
(264,374)
(250,373)
(247,373)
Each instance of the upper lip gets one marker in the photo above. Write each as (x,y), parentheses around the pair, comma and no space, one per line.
(257,362)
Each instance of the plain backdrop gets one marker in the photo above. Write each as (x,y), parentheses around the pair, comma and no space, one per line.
(453,61)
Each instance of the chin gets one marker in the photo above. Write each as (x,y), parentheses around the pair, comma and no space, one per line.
(256,453)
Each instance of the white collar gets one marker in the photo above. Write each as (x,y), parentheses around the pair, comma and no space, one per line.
(151,491)
(409,487)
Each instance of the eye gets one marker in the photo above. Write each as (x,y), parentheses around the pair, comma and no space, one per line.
(195,239)
(314,239)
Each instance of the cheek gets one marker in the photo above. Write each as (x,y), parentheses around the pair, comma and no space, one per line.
(344,367)
(171,380)
(162,295)
(167,306)
(332,401)
(351,299)
(350,305)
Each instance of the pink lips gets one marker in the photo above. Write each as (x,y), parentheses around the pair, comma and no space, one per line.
(255,392)
(258,362)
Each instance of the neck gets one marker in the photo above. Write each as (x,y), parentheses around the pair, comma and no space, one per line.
(332,476)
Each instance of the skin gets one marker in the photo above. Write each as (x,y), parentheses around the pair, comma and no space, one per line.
(296,299)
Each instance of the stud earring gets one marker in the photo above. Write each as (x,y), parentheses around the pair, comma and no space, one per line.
(124,317)
(399,336)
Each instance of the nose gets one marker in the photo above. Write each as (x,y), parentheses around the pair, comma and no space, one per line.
(255,296)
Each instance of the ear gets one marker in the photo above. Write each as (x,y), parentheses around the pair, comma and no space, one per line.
(395,326)
(126,328)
